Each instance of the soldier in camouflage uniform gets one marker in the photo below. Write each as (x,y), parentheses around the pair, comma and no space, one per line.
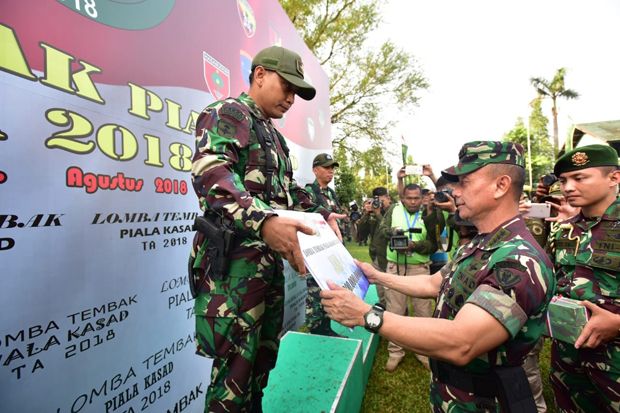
(242,173)
(586,251)
(370,224)
(323,167)
(492,296)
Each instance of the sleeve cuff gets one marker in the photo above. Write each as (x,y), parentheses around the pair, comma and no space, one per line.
(251,219)
(501,306)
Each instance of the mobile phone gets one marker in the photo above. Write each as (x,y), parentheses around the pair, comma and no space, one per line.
(539,211)
(413,170)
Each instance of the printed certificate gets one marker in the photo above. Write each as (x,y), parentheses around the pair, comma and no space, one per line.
(326,257)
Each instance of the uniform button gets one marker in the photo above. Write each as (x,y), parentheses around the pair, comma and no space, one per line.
(450,292)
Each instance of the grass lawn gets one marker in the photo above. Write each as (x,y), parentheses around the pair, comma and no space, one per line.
(407,388)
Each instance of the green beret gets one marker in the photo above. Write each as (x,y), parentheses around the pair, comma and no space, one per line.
(474,155)
(586,157)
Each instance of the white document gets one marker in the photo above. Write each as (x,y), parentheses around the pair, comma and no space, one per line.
(326,257)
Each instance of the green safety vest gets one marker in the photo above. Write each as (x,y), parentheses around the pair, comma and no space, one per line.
(401,218)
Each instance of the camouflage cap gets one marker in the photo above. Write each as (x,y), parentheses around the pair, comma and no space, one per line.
(287,64)
(586,157)
(325,160)
(474,155)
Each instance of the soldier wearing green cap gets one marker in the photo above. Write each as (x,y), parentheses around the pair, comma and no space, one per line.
(323,167)
(586,252)
(491,298)
(242,175)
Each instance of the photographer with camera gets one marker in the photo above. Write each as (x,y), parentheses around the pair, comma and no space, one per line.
(410,244)
(369,224)
(354,218)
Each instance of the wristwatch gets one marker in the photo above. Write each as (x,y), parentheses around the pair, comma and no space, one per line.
(373,319)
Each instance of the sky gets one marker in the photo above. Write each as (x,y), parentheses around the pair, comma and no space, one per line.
(479,56)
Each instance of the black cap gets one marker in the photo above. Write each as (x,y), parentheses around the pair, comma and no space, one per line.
(325,160)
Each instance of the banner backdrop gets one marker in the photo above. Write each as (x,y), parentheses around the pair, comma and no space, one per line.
(99,100)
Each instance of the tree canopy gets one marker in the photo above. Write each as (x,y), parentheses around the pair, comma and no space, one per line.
(553,90)
(363,79)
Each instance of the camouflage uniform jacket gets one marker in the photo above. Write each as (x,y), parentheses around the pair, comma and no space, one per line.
(228,174)
(326,199)
(587,258)
(508,274)
(371,224)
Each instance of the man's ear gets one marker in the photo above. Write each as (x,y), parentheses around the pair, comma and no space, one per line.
(502,186)
(259,75)
(615,177)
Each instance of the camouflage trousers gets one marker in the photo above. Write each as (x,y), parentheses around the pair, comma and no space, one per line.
(586,380)
(238,323)
(397,303)
(315,314)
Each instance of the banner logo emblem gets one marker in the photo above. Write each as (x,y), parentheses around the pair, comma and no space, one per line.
(217,76)
(246,15)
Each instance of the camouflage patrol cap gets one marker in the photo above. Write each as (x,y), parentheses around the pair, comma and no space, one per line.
(325,160)
(586,157)
(287,64)
(474,155)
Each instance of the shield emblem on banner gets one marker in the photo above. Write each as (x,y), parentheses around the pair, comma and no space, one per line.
(217,76)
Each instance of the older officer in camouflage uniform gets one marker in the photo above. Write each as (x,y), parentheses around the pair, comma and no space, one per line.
(242,175)
(586,377)
(492,296)
(323,167)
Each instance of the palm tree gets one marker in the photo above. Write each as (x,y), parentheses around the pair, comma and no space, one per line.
(554,90)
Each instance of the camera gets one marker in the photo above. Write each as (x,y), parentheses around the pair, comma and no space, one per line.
(376,203)
(399,241)
(442,196)
(549,179)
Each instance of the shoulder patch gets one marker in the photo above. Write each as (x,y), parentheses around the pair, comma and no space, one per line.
(226,128)
(232,111)
(506,278)
(500,236)
(511,264)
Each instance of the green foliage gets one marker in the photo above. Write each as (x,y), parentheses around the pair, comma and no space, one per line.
(360,78)
(540,148)
(553,90)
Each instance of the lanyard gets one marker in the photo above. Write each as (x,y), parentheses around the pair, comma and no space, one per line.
(415,219)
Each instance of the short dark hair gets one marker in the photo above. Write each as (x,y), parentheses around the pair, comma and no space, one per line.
(380,190)
(516,174)
(412,187)
(441,182)
(251,78)
(605,170)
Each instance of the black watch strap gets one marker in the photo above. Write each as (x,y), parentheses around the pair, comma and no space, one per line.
(373,319)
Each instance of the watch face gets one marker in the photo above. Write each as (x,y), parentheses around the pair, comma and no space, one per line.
(373,320)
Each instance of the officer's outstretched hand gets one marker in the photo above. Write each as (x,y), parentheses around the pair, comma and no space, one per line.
(343,306)
(602,327)
(280,234)
(333,223)
(373,275)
